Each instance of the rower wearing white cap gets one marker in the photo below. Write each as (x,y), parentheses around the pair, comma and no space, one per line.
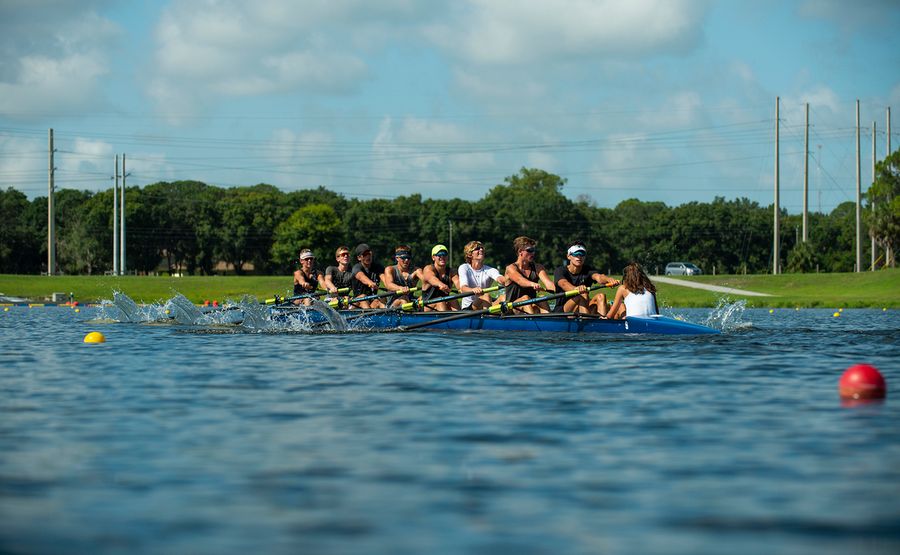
(576,274)
(306,278)
(437,280)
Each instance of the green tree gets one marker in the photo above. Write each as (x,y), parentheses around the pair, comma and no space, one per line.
(315,226)
(20,246)
(531,203)
(249,217)
(883,205)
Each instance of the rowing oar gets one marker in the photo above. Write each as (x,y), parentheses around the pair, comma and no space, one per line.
(279,301)
(498,308)
(336,303)
(419,303)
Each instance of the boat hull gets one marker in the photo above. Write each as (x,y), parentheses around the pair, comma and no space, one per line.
(662,325)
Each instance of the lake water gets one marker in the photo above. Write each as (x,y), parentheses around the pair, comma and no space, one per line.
(166,440)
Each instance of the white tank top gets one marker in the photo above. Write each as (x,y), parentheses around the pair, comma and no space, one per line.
(640,304)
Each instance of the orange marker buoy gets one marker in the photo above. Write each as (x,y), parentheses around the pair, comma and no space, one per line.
(862,381)
(216,303)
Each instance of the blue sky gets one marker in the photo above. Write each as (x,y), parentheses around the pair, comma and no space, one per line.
(670,100)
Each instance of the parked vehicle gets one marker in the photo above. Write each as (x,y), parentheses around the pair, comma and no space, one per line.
(682,269)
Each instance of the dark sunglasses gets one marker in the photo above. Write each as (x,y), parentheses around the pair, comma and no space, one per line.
(441,254)
(478,249)
(402,257)
(529,250)
(579,254)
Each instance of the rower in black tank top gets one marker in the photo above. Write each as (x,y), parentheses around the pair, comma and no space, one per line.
(514,291)
(433,292)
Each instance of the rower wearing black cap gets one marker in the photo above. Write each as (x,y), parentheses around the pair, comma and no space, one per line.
(366,275)
(576,274)
(401,277)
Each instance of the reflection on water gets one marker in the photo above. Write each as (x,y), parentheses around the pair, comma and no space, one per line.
(161,441)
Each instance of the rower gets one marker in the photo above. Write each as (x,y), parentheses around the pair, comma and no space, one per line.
(437,280)
(475,275)
(401,277)
(338,276)
(365,277)
(526,277)
(577,274)
(306,278)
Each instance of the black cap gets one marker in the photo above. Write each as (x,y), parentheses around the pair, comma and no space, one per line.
(361,248)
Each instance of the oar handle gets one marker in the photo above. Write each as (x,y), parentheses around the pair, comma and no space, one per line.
(336,302)
(279,300)
(419,303)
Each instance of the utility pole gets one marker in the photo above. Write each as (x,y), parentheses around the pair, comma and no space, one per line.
(858,198)
(806,176)
(888,252)
(122,267)
(450,254)
(51,215)
(775,253)
(819,177)
(872,231)
(115,224)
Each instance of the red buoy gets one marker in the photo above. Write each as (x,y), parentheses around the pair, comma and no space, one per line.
(862,381)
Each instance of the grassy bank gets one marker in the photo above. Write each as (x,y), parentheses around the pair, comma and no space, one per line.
(868,289)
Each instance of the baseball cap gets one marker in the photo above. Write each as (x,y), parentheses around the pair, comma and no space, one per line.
(306,253)
(437,249)
(577,247)
(361,248)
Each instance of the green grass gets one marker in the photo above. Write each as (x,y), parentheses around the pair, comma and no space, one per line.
(868,289)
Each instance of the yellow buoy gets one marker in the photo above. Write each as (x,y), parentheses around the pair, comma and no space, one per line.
(5,309)
(836,314)
(771,311)
(77,310)
(94,337)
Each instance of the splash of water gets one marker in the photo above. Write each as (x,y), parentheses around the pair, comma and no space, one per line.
(184,310)
(727,315)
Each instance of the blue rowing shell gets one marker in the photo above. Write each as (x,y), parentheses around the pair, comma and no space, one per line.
(539,323)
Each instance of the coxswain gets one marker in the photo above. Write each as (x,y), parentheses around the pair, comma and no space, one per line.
(636,296)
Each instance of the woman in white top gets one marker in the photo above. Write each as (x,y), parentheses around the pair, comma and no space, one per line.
(636,296)
(474,277)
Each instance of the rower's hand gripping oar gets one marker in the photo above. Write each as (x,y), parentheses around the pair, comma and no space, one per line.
(337,303)
(285,300)
(499,308)
(419,303)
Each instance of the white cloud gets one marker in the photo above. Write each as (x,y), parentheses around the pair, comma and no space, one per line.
(512,32)
(53,58)
(233,49)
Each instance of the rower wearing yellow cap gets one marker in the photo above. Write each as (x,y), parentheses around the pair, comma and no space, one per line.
(438,279)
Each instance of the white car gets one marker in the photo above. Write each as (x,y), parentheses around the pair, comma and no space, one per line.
(682,269)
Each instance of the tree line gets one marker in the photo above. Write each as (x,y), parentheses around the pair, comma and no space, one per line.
(193,227)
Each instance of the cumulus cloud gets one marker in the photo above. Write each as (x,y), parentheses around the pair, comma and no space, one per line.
(234,49)
(52,56)
(507,31)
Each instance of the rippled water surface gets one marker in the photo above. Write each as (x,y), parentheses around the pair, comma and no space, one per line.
(177,439)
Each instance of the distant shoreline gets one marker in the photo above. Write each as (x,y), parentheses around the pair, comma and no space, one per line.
(842,290)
